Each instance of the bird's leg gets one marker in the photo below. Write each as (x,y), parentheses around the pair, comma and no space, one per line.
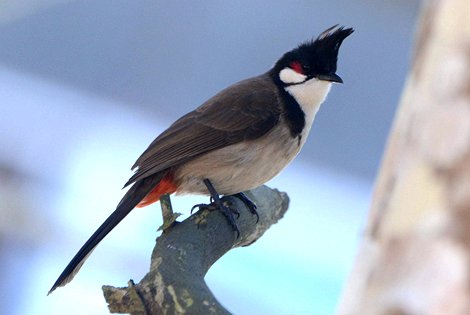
(250,204)
(225,210)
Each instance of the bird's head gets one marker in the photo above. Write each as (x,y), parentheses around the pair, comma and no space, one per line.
(314,59)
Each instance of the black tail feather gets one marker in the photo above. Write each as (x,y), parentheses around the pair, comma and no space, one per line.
(135,194)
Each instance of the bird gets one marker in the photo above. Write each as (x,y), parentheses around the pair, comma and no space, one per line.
(235,141)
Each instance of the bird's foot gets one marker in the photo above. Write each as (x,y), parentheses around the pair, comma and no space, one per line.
(226,210)
(250,204)
(202,206)
(219,204)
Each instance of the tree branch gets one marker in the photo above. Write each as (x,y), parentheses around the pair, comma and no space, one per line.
(184,253)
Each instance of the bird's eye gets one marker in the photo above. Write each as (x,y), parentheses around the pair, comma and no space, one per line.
(306,68)
(297,67)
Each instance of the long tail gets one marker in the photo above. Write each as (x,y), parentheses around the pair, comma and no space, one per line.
(131,199)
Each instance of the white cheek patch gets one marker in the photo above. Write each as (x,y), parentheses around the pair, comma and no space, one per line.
(289,76)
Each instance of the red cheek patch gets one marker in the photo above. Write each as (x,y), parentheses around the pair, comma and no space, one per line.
(296,66)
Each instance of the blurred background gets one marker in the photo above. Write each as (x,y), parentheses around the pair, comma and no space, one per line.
(86,85)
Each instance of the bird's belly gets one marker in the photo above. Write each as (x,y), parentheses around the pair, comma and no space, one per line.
(239,167)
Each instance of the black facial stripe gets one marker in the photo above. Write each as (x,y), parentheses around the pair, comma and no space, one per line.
(297,83)
(295,116)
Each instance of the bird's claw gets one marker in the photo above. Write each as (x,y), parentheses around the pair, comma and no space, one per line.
(228,213)
(249,204)
(200,206)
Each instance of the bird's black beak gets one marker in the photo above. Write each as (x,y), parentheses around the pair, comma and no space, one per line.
(332,77)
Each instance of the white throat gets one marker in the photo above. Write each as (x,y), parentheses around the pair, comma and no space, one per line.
(309,95)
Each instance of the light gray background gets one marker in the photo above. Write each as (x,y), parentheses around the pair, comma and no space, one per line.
(79,78)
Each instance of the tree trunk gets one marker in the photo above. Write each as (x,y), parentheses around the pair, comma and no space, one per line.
(415,256)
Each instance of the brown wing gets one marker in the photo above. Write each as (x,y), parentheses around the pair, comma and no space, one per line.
(243,111)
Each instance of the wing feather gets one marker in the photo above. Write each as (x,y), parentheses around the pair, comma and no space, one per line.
(246,110)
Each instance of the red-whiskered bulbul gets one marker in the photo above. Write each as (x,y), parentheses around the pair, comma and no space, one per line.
(237,140)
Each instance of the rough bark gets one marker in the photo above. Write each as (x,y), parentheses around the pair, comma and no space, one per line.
(184,253)
(415,256)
